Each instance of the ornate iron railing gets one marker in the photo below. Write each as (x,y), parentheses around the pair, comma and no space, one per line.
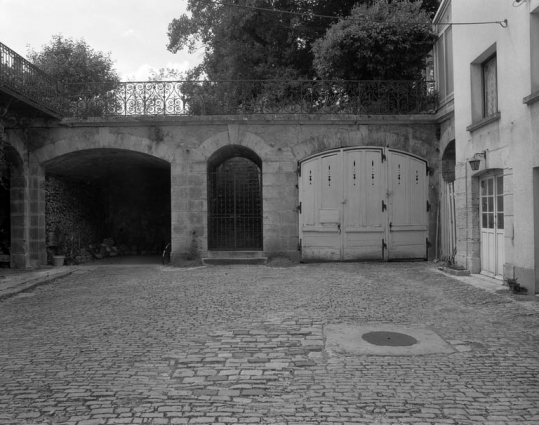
(250,97)
(20,77)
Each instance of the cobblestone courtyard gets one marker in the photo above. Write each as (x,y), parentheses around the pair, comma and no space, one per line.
(248,344)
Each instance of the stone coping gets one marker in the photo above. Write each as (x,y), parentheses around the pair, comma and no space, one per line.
(251,119)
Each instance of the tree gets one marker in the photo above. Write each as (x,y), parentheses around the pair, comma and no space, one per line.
(89,75)
(383,41)
(166,74)
(74,61)
(243,43)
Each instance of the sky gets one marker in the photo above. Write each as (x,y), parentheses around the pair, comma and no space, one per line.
(133,31)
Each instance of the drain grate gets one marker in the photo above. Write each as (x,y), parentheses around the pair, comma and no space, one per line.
(389,339)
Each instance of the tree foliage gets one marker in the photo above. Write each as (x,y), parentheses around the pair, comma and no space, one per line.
(241,43)
(74,61)
(89,75)
(383,41)
(244,43)
(166,74)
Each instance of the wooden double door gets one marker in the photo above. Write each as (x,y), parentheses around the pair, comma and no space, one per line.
(363,204)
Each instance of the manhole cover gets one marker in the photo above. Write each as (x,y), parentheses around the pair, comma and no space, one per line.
(389,339)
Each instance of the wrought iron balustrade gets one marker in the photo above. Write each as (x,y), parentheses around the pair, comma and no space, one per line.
(24,80)
(250,97)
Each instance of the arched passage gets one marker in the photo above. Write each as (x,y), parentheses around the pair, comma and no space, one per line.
(107,202)
(235,200)
(14,210)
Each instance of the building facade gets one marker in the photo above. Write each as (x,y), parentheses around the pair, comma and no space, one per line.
(495,125)
(334,171)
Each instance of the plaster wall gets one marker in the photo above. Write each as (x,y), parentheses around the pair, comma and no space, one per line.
(280,141)
(509,140)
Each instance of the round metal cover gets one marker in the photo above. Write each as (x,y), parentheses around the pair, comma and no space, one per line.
(389,339)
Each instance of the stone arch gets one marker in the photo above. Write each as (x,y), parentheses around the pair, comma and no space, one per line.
(401,138)
(234,136)
(227,152)
(71,160)
(105,140)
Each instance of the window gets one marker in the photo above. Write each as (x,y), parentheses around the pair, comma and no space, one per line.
(443,52)
(484,89)
(490,87)
(534,56)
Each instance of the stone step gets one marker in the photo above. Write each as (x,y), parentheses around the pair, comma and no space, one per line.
(236,254)
(220,261)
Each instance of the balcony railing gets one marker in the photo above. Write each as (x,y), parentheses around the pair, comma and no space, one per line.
(21,79)
(25,81)
(172,98)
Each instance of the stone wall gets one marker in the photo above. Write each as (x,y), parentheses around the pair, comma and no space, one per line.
(188,143)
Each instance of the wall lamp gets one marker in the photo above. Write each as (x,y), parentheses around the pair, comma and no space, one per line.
(475,161)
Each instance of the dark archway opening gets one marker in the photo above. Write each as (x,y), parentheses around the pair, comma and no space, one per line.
(107,203)
(5,219)
(235,200)
(448,162)
(13,236)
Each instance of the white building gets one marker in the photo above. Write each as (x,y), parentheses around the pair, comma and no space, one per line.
(487,68)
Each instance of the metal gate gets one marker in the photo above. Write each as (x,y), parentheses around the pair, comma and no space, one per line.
(235,206)
(364,203)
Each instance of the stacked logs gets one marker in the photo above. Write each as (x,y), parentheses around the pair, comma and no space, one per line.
(74,218)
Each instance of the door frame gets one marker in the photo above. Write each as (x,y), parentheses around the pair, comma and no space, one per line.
(498,256)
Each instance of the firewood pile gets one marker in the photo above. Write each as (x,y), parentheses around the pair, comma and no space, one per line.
(73,219)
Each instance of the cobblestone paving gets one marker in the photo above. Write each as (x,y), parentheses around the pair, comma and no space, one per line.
(245,345)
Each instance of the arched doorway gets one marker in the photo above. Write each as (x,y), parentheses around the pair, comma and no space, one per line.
(235,200)
(107,203)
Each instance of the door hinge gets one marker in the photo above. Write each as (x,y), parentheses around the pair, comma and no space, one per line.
(384,245)
(428,243)
(299,245)
(383,157)
(299,169)
(390,226)
(299,208)
(428,206)
(429,170)
(384,206)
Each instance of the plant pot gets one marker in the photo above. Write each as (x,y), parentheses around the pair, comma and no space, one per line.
(58,260)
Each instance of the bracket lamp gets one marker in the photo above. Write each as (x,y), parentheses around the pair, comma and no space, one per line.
(475,161)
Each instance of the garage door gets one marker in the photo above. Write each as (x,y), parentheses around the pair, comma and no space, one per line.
(363,204)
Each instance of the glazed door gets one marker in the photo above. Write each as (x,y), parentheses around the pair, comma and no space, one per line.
(492,226)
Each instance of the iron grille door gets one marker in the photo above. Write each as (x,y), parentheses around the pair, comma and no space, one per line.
(235,207)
